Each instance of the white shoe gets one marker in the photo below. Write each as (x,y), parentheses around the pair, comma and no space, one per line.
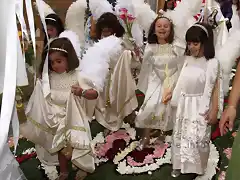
(175,173)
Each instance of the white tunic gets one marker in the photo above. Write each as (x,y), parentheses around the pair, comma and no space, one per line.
(60,120)
(192,96)
(160,71)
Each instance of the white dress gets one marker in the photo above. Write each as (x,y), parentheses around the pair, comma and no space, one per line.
(191,96)
(60,120)
(118,98)
(9,167)
(160,70)
(235,20)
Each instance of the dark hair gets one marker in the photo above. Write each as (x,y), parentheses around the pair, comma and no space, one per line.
(165,8)
(65,44)
(109,20)
(238,5)
(152,37)
(57,23)
(197,34)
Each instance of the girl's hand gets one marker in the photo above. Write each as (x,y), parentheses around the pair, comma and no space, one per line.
(76,90)
(227,120)
(167,96)
(211,116)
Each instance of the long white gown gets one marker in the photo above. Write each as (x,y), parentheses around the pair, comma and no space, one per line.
(192,96)
(160,70)
(60,120)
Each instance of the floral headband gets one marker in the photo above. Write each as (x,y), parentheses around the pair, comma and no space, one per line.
(165,17)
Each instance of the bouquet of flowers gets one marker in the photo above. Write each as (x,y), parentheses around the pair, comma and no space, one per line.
(128,20)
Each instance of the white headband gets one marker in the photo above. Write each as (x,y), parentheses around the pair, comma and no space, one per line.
(51,19)
(202,27)
(59,49)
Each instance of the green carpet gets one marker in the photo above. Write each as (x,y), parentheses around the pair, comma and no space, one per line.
(107,171)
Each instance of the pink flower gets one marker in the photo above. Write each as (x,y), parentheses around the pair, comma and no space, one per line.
(222,175)
(123,10)
(123,17)
(234,134)
(101,149)
(149,159)
(10,142)
(130,18)
(159,151)
(228,152)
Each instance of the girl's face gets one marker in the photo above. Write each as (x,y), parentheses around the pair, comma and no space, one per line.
(163,28)
(58,62)
(52,31)
(195,49)
(106,32)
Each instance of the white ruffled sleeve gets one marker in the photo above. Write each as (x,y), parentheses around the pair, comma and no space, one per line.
(211,77)
(146,68)
(178,88)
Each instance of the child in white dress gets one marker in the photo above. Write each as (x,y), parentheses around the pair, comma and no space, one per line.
(192,96)
(58,122)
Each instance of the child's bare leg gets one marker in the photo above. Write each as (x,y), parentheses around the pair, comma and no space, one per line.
(145,139)
(80,175)
(161,138)
(63,162)
(106,132)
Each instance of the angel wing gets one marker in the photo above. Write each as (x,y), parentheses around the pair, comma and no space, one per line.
(137,31)
(99,7)
(73,37)
(75,19)
(227,56)
(144,14)
(95,63)
(47,9)
(183,16)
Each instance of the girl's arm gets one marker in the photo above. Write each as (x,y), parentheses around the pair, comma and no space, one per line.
(211,78)
(215,96)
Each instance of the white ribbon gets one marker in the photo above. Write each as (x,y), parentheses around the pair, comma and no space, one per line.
(31,24)
(19,12)
(45,77)
(32,32)
(10,78)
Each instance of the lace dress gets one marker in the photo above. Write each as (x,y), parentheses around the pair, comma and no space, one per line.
(60,120)
(191,96)
(160,70)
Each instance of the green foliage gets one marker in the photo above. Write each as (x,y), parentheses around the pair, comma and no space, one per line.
(29,55)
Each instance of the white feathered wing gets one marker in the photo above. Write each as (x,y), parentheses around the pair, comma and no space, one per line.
(47,9)
(95,63)
(227,56)
(144,14)
(73,37)
(75,18)
(99,7)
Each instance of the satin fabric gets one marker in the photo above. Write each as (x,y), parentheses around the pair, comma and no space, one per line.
(119,91)
(58,121)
